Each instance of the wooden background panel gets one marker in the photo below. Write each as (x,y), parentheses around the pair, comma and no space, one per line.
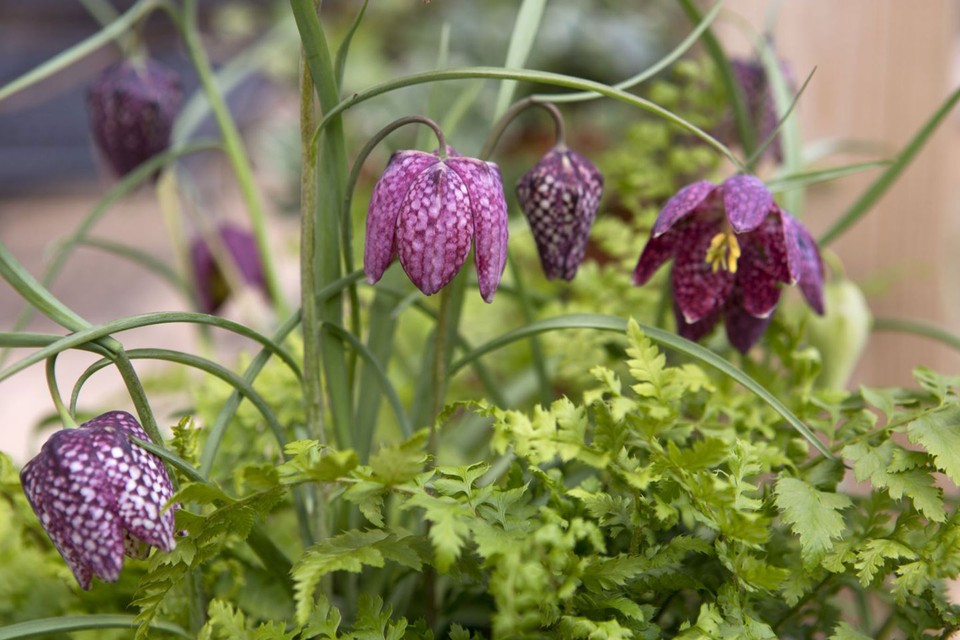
(883,67)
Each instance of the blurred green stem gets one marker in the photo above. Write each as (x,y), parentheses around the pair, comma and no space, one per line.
(62,409)
(233,146)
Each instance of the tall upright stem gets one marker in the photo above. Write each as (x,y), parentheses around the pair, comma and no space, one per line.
(233,147)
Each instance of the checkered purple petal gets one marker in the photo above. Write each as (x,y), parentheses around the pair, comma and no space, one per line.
(747,201)
(684,202)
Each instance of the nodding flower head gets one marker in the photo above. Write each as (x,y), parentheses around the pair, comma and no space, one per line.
(428,210)
(559,196)
(99,496)
(132,106)
(732,247)
(241,248)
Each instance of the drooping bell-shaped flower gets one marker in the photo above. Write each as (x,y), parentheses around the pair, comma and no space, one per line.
(99,496)
(751,77)
(212,287)
(132,106)
(559,196)
(427,210)
(732,248)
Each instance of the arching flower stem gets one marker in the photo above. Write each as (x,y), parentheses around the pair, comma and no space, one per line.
(511,114)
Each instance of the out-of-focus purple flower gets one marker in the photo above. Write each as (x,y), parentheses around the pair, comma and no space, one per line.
(99,496)
(428,210)
(559,196)
(732,248)
(751,76)
(132,106)
(212,288)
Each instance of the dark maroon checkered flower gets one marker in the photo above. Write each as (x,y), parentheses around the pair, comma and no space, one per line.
(212,288)
(99,496)
(560,196)
(752,78)
(132,106)
(428,210)
(732,248)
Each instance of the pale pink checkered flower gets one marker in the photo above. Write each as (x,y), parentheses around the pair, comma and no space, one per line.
(428,211)
(99,496)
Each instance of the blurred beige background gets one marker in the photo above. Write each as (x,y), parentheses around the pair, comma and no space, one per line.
(883,68)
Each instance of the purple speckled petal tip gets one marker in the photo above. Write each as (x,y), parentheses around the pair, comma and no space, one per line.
(763,267)
(811,270)
(656,252)
(488,208)
(434,228)
(743,328)
(388,196)
(97,495)
(681,205)
(747,201)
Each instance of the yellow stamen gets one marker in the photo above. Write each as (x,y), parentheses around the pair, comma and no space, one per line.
(723,252)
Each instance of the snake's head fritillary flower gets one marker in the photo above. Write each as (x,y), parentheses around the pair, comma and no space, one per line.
(751,77)
(732,248)
(241,248)
(427,210)
(99,496)
(559,196)
(132,106)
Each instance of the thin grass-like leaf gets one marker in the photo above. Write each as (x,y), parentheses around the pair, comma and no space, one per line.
(525,31)
(196,362)
(791,142)
(80,50)
(782,124)
(47,627)
(665,339)
(385,385)
(692,38)
(344,49)
(914,327)
(805,178)
(147,319)
(150,263)
(881,184)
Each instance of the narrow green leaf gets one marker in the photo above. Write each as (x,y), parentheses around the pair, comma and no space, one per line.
(782,122)
(650,71)
(882,183)
(805,178)
(664,338)
(344,49)
(150,263)
(525,31)
(90,334)
(47,627)
(917,328)
(791,141)
(81,49)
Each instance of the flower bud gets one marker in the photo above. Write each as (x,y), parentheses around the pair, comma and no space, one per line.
(841,334)
(212,287)
(559,196)
(132,106)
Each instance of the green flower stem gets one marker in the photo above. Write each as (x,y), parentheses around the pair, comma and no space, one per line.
(745,129)
(325,259)
(511,114)
(647,73)
(233,146)
(37,295)
(536,351)
(540,77)
(918,329)
(273,559)
(150,263)
(754,158)
(888,177)
(312,386)
(134,179)
(83,48)
(62,410)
